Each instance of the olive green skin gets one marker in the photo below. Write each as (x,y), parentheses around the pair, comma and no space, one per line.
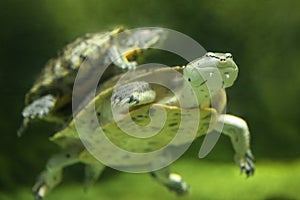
(102,102)
(95,118)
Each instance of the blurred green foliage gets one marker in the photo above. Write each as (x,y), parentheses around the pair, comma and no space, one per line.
(208,183)
(263,36)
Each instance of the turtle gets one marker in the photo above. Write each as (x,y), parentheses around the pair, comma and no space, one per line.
(50,96)
(139,99)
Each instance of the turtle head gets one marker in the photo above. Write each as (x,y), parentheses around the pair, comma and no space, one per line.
(210,73)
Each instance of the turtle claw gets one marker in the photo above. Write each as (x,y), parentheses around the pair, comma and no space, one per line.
(39,108)
(130,65)
(247,164)
(177,185)
(39,190)
(172,181)
(131,94)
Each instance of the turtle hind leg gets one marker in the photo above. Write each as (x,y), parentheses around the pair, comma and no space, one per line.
(92,173)
(52,175)
(237,129)
(170,180)
(38,109)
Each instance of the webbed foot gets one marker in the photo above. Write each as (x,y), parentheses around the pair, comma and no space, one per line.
(176,184)
(237,129)
(40,107)
(246,163)
(39,190)
(36,110)
(52,175)
(172,181)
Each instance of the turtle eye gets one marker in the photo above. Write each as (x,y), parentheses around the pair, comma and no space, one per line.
(228,55)
(210,54)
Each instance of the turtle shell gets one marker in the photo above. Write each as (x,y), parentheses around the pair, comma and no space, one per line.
(97,118)
(59,73)
(92,51)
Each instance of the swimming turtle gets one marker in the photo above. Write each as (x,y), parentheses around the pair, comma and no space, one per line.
(140,99)
(50,96)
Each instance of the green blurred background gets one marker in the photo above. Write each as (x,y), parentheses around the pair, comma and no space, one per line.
(263,36)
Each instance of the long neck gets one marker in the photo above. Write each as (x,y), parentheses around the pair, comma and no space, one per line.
(189,97)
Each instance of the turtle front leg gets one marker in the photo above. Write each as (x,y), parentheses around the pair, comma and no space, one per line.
(129,47)
(52,175)
(38,109)
(237,129)
(170,180)
(133,94)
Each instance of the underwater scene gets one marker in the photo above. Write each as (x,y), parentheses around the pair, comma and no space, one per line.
(150,99)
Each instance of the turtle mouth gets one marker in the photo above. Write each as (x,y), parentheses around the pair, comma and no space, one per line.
(202,83)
